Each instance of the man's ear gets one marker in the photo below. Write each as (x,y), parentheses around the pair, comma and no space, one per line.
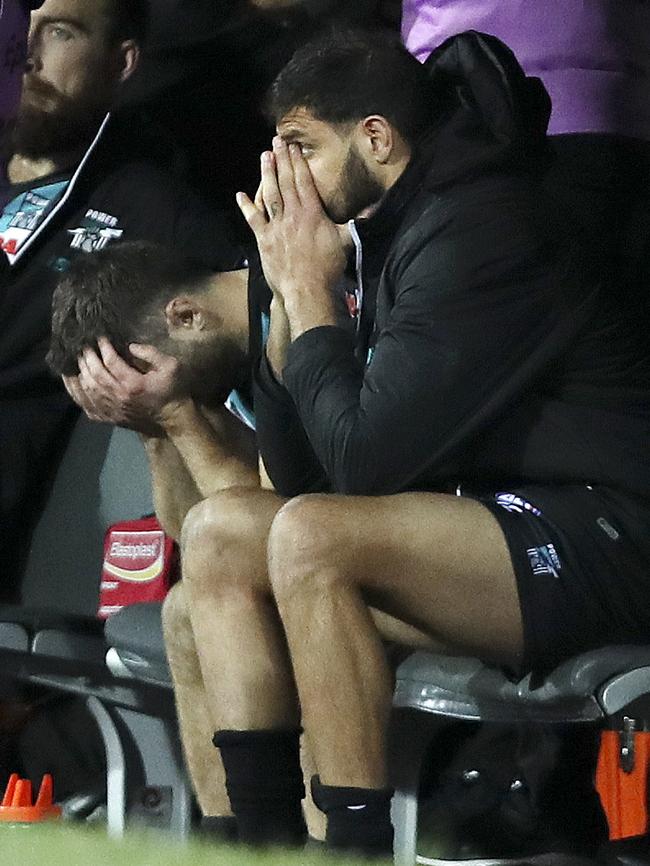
(184,314)
(378,138)
(129,58)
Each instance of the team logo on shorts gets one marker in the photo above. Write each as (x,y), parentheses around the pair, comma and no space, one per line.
(544,560)
(511,502)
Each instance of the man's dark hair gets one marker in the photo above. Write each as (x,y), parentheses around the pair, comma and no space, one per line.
(346,75)
(118,293)
(129,19)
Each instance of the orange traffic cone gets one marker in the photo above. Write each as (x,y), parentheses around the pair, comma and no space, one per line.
(624,795)
(17,805)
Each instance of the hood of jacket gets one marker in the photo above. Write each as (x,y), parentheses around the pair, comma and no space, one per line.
(488,116)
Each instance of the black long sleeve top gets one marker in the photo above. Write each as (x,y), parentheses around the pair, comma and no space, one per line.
(487,353)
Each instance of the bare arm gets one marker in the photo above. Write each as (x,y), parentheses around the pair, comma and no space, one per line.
(174,491)
(202,452)
(218,451)
(279,338)
(211,444)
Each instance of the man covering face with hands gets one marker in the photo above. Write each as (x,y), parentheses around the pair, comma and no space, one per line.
(468,434)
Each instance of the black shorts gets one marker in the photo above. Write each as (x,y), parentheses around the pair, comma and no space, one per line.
(581,556)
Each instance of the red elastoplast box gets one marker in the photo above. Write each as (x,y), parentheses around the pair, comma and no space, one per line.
(140,564)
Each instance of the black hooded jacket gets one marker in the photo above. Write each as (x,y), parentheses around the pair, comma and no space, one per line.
(487,354)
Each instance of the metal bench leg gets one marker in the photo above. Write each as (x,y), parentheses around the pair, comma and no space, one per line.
(164,798)
(405,821)
(146,781)
(411,736)
(115,768)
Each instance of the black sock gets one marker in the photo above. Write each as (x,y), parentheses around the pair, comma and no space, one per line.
(219,828)
(358,819)
(265,786)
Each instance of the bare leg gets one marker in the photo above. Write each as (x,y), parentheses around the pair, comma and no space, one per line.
(245,663)
(239,639)
(439,563)
(314,818)
(195,722)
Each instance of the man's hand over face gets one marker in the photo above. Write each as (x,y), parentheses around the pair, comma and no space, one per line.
(110,390)
(301,249)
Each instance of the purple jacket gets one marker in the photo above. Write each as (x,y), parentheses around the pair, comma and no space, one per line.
(593,56)
(14,25)
(14,22)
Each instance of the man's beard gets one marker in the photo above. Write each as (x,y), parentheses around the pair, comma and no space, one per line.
(48,122)
(209,370)
(358,189)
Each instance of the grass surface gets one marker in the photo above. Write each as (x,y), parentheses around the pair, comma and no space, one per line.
(63,845)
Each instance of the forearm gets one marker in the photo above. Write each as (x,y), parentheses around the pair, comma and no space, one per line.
(218,452)
(279,338)
(309,306)
(174,491)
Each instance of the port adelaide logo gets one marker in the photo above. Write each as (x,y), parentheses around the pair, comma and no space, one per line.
(96,231)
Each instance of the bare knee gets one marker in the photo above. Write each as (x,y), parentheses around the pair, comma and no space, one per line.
(224,537)
(304,550)
(214,527)
(209,519)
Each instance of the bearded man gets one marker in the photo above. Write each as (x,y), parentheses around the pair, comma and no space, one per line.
(70,189)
